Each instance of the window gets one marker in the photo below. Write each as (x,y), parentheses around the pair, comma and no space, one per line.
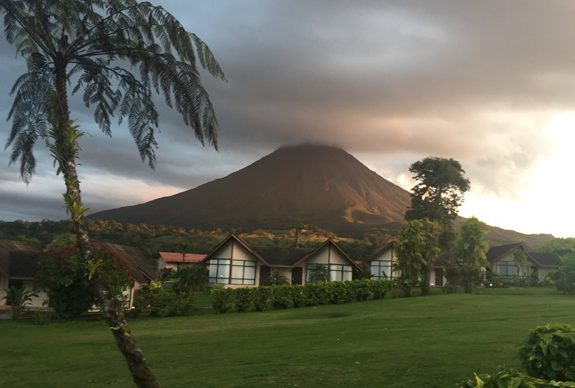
(243,272)
(339,273)
(506,268)
(317,272)
(226,271)
(381,269)
(220,271)
(324,272)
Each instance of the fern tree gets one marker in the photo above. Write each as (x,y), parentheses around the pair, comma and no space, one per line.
(117,54)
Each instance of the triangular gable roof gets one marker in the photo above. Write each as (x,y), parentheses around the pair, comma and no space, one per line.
(495,253)
(333,244)
(546,259)
(282,256)
(239,241)
(499,251)
(178,257)
(380,250)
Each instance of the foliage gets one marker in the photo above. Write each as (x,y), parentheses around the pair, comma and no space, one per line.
(511,378)
(160,302)
(548,352)
(439,190)
(191,278)
(561,246)
(276,278)
(223,299)
(469,253)
(318,272)
(71,282)
(266,298)
(564,277)
(19,298)
(417,250)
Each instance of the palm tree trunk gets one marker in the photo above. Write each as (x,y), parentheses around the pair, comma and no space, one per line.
(66,146)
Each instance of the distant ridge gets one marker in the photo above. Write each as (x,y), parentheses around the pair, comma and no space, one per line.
(308,184)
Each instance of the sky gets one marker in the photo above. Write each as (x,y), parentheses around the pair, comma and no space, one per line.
(489,83)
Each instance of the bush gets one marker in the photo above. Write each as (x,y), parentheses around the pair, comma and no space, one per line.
(72,284)
(276,278)
(244,299)
(548,352)
(286,296)
(564,277)
(222,299)
(159,302)
(510,378)
(190,279)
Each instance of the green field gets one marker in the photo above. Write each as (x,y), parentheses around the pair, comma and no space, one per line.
(414,342)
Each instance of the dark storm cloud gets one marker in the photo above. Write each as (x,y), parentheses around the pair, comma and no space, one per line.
(391,81)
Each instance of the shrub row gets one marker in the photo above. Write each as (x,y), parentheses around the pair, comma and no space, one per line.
(159,302)
(288,296)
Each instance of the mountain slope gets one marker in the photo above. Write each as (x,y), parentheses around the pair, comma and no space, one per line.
(310,184)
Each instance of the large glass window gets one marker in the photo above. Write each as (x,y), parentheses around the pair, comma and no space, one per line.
(325,272)
(243,272)
(506,268)
(381,269)
(226,271)
(220,271)
(339,273)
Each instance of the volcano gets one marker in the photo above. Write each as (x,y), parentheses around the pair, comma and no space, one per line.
(315,185)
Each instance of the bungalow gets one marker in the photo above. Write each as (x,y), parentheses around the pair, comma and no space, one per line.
(18,268)
(173,261)
(20,263)
(546,263)
(233,263)
(511,261)
(383,261)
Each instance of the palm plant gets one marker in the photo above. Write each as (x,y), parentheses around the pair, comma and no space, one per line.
(117,54)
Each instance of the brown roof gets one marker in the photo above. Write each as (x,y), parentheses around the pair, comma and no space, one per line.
(139,267)
(176,257)
(546,259)
(282,256)
(18,259)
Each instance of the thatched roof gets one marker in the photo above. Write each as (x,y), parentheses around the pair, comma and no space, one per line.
(138,266)
(18,259)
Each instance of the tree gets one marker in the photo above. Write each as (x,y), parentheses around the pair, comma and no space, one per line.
(117,54)
(417,250)
(438,193)
(469,253)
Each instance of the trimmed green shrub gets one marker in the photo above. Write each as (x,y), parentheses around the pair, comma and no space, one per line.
(159,302)
(549,352)
(287,296)
(282,297)
(244,299)
(222,299)
(276,278)
(263,298)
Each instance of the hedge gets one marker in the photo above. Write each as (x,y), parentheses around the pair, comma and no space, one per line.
(265,298)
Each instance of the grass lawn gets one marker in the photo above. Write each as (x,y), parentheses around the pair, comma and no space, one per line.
(431,341)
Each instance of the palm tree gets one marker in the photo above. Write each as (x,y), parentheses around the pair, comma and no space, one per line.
(117,54)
